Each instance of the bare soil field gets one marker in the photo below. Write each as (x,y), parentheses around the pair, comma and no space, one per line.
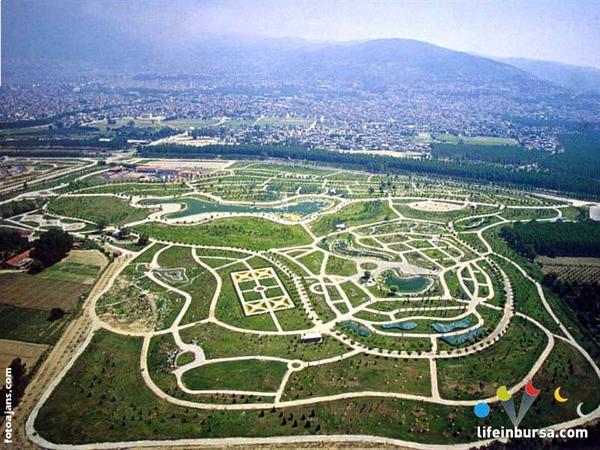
(30,291)
(29,353)
(433,206)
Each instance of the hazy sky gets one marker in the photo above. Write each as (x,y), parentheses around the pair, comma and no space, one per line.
(559,30)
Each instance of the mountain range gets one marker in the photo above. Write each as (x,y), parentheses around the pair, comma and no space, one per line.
(375,64)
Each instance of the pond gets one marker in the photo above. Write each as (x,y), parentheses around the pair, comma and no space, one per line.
(193,206)
(405,284)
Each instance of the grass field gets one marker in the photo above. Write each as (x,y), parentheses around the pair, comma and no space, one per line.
(472,377)
(527,298)
(103,398)
(111,210)
(340,266)
(29,325)
(104,126)
(219,342)
(58,286)
(245,375)
(283,122)
(567,368)
(447,138)
(313,261)
(240,232)
(191,123)
(361,373)
(352,215)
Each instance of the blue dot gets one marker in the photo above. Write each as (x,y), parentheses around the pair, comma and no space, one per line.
(481,410)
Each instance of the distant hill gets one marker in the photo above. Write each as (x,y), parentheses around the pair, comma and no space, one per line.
(575,78)
(388,61)
(373,65)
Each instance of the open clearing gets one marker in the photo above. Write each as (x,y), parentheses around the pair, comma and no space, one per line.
(87,257)
(433,206)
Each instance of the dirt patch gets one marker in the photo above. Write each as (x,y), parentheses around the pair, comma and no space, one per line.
(30,291)
(89,257)
(433,206)
(29,353)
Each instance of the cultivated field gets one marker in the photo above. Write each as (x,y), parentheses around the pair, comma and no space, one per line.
(568,268)
(29,353)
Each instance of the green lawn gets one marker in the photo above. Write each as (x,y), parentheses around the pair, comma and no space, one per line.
(241,232)
(568,369)
(219,342)
(30,325)
(245,375)
(361,373)
(527,298)
(111,210)
(448,138)
(313,261)
(340,266)
(103,398)
(201,284)
(472,377)
(352,215)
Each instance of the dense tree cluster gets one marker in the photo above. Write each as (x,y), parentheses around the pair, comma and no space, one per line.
(132,132)
(18,207)
(41,152)
(11,243)
(495,154)
(52,246)
(554,238)
(582,299)
(67,142)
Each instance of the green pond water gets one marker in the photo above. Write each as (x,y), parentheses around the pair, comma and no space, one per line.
(195,206)
(405,284)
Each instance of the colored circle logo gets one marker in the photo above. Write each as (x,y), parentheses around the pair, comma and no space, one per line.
(481,410)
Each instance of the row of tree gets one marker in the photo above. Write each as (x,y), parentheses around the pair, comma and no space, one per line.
(495,154)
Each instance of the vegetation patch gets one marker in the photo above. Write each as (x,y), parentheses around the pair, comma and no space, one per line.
(105,210)
(241,232)
(243,375)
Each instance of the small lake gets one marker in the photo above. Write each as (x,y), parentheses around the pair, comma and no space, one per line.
(406,284)
(193,206)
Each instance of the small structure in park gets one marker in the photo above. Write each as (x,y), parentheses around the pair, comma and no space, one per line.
(311,338)
(21,261)
(340,227)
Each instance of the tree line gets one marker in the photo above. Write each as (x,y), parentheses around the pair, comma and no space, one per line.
(511,155)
